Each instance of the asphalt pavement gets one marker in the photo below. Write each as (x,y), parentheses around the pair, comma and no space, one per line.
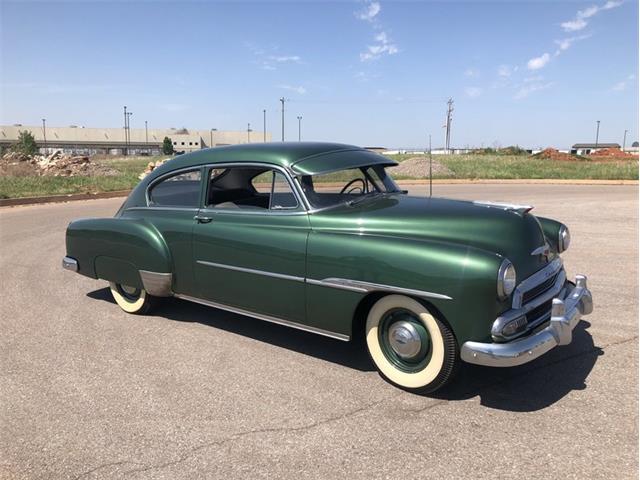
(88,391)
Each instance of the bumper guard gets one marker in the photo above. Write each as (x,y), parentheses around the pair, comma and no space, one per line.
(565,315)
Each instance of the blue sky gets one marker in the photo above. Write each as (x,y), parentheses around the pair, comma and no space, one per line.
(369,73)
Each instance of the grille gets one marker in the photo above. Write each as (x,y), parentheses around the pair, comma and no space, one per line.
(539,289)
(540,311)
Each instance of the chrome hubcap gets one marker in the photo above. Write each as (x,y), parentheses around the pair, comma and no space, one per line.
(128,289)
(405,340)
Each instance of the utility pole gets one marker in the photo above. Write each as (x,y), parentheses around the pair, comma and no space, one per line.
(597,133)
(264,125)
(146,133)
(129,131)
(211,137)
(448,125)
(249,133)
(124,150)
(430,169)
(299,127)
(624,140)
(44,133)
(282,102)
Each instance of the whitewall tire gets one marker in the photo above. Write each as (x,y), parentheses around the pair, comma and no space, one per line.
(410,347)
(130,299)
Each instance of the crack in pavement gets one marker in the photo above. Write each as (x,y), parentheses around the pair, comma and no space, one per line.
(236,436)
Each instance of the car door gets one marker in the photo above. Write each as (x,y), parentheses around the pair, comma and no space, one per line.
(249,242)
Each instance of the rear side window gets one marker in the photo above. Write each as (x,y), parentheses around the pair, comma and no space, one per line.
(180,190)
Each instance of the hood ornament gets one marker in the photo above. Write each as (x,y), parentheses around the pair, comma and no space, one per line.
(544,251)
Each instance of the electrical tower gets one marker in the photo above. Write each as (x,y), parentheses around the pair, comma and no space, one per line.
(448,126)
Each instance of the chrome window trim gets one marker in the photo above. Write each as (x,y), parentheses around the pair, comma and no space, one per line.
(267,318)
(281,276)
(537,278)
(157,207)
(157,180)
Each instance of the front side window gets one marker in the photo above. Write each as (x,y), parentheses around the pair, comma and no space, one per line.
(349,185)
(180,190)
(250,188)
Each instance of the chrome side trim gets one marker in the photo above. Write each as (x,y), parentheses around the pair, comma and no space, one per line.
(513,207)
(267,318)
(251,270)
(155,283)
(537,278)
(541,250)
(565,315)
(365,287)
(69,263)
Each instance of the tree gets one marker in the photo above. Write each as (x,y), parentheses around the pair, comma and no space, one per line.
(167,146)
(26,143)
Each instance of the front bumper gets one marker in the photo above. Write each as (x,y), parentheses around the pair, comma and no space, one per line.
(565,315)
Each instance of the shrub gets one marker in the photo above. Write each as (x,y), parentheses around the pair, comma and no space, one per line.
(167,146)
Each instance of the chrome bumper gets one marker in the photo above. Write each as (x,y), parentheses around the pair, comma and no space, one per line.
(565,315)
(69,263)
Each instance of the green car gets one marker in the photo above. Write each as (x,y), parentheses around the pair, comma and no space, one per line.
(318,236)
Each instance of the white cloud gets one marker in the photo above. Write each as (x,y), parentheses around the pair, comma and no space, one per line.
(529,88)
(285,58)
(369,12)
(622,85)
(579,21)
(504,71)
(384,46)
(538,62)
(565,43)
(300,90)
(473,92)
(471,72)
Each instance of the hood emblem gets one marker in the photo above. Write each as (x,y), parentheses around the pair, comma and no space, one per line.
(544,251)
(510,207)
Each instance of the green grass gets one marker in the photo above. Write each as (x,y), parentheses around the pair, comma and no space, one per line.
(31,186)
(472,166)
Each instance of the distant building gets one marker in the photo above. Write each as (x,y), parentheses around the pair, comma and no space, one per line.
(89,141)
(587,148)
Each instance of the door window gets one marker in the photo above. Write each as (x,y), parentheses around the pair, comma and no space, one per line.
(250,188)
(180,190)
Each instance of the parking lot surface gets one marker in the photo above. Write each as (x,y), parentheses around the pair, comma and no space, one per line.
(88,391)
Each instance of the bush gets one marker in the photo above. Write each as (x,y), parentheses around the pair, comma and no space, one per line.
(167,146)
(26,143)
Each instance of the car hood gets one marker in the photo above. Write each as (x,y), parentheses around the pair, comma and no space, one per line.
(512,233)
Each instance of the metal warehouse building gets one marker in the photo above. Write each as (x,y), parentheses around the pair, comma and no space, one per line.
(90,141)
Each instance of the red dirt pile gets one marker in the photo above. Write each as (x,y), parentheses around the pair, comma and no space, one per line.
(612,154)
(555,155)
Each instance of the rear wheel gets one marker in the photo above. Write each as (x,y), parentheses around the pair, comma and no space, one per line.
(411,348)
(132,299)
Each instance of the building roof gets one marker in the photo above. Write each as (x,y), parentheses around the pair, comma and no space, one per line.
(599,145)
(301,158)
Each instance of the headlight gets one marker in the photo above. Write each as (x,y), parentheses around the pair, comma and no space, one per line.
(564,239)
(506,279)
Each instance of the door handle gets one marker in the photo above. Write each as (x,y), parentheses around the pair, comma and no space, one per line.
(202,219)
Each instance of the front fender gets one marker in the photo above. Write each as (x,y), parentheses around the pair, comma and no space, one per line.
(467,275)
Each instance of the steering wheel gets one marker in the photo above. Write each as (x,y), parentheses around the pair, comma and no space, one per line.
(362,189)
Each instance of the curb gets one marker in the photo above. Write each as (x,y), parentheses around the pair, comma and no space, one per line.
(10,202)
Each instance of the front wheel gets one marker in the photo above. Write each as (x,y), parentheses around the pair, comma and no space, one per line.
(131,299)
(411,348)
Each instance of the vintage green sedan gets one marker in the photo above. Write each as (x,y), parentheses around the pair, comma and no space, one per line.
(318,236)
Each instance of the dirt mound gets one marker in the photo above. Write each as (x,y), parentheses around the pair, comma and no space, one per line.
(612,154)
(58,164)
(418,167)
(555,155)
(150,167)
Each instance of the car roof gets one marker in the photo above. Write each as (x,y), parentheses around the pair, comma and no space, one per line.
(300,158)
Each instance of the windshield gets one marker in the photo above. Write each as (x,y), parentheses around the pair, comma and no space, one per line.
(346,186)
